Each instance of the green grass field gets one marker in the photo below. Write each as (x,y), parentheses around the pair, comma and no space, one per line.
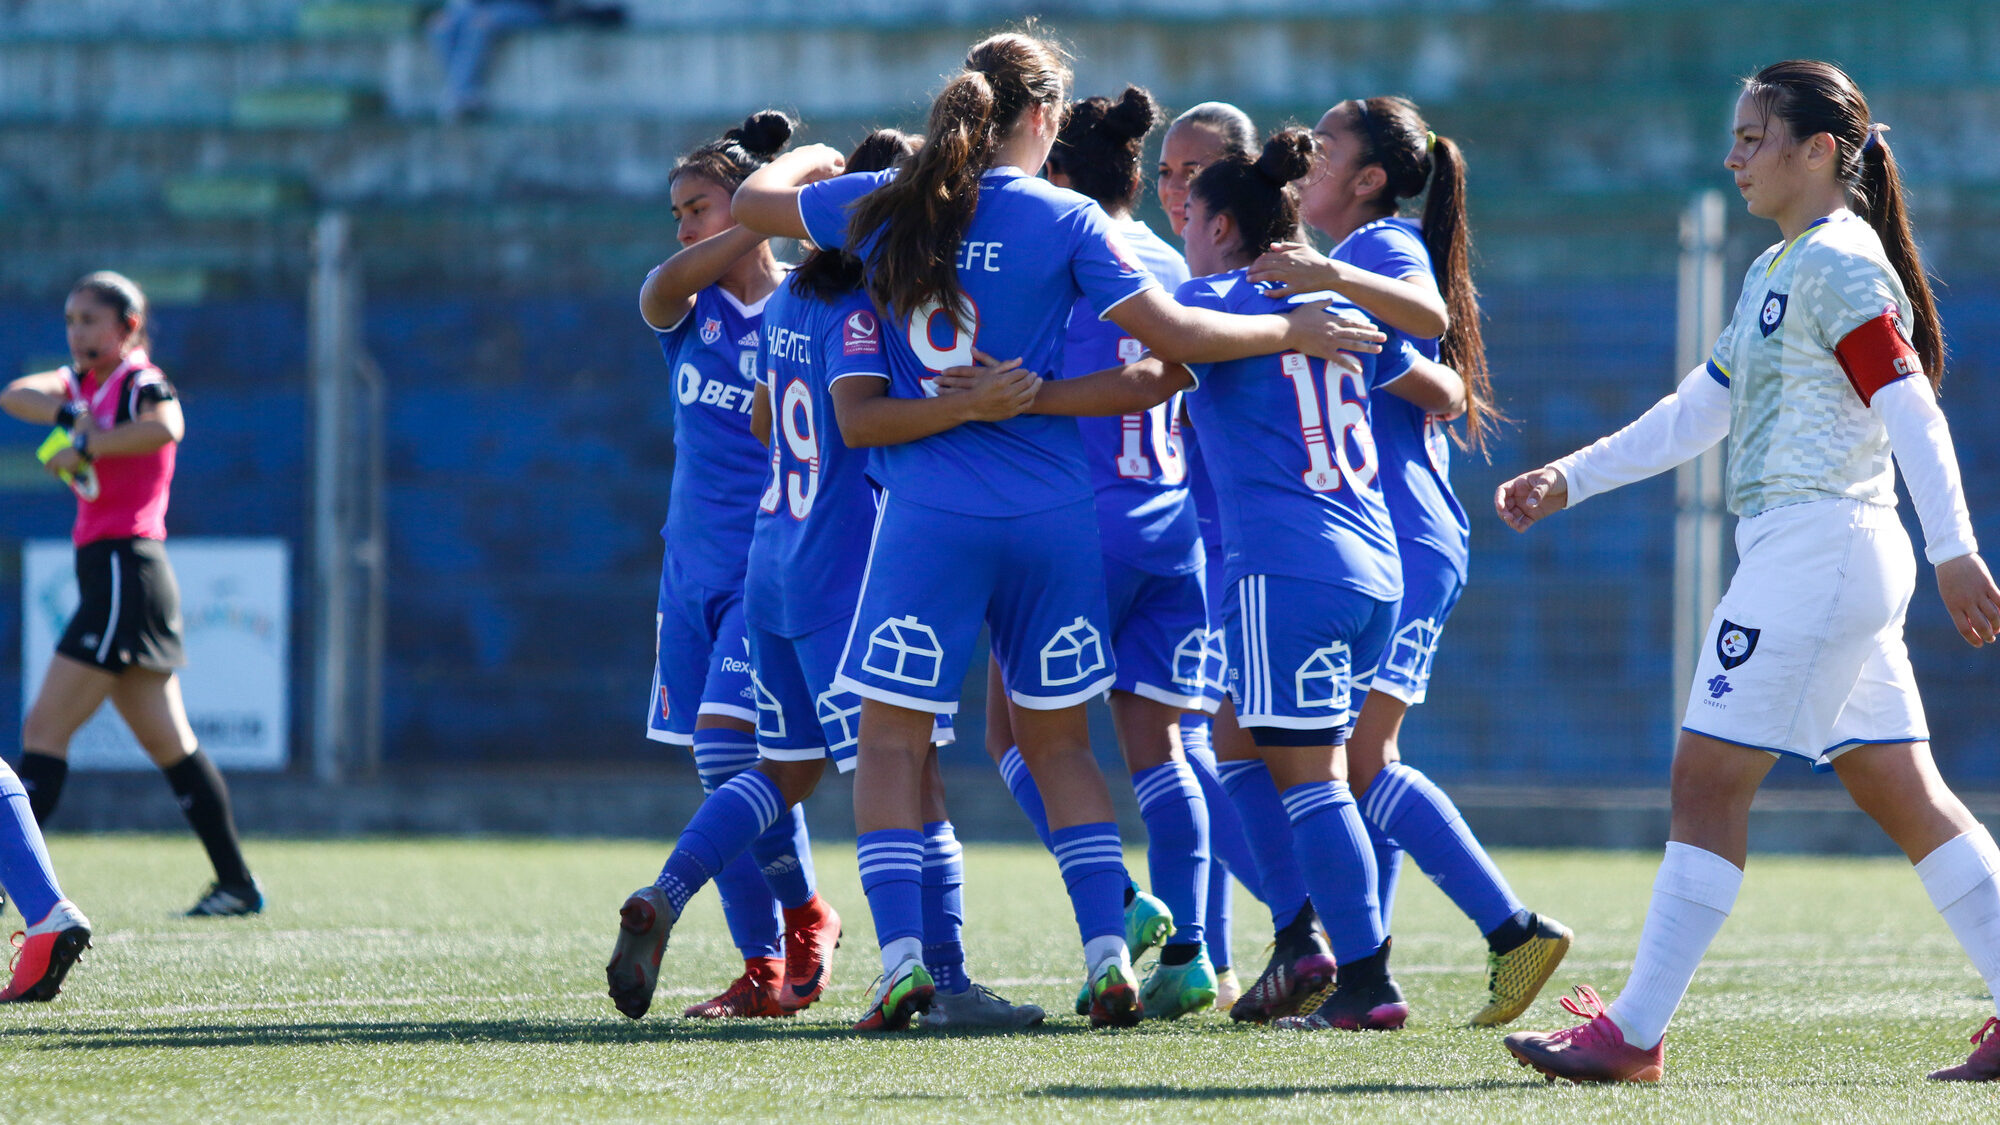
(434,981)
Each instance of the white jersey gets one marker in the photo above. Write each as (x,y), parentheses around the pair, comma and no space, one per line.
(1798,429)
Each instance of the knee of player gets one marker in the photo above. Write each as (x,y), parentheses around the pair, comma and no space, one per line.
(795,780)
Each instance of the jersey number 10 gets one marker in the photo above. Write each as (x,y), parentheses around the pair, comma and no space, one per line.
(1327,463)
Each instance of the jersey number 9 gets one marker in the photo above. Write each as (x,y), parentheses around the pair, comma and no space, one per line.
(937,352)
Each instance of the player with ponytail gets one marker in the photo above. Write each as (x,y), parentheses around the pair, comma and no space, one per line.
(1415,277)
(988,522)
(706,305)
(1830,365)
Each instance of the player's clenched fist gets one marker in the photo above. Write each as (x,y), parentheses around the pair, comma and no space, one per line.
(1531,496)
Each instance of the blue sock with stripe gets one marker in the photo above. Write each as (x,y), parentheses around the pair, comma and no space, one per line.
(747,902)
(1093,869)
(1269,835)
(722,828)
(1339,864)
(1405,805)
(944,907)
(1021,783)
(25,870)
(1176,845)
(892,876)
(1226,841)
(784,854)
(1388,872)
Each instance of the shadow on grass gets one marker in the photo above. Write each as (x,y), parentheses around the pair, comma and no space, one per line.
(1238,1093)
(362,1032)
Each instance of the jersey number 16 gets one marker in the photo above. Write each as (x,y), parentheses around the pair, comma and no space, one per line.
(1351,455)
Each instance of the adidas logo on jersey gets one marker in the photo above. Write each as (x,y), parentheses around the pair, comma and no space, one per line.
(749,339)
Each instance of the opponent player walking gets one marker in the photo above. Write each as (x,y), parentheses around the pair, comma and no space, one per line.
(804,574)
(705,303)
(986,522)
(1417,279)
(124,641)
(1830,364)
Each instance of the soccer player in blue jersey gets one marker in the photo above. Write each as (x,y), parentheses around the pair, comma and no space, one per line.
(705,303)
(986,523)
(804,573)
(1305,528)
(1416,278)
(57,932)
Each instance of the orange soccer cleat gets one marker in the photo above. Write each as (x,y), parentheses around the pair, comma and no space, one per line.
(754,995)
(812,933)
(44,953)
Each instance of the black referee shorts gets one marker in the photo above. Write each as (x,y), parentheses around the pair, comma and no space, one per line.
(130,610)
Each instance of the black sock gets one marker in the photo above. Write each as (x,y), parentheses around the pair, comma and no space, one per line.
(42,775)
(1513,933)
(1301,923)
(1131,893)
(1371,969)
(205,801)
(1179,953)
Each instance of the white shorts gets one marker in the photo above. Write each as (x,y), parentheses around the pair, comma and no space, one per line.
(1805,653)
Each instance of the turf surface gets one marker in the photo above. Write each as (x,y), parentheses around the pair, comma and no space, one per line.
(463,980)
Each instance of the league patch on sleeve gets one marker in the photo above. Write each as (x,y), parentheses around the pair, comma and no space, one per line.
(861,335)
(1734,644)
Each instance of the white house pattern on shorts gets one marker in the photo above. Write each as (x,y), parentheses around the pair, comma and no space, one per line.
(1411,650)
(906,650)
(1073,654)
(1199,652)
(840,712)
(769,710)
(1323,680)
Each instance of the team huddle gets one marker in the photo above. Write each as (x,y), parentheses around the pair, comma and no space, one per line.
(1212,484)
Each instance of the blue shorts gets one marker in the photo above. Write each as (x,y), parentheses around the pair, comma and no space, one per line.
(1431,586)
(1161,638)
(701,658)
(797,724)
(933,577)
(1291,672)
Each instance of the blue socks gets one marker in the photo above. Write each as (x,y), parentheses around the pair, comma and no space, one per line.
(1388,871)
(24,859)
(1014,771)
(1403,804)
(944,907)
(1226,841)
(1176,844)
(1339,863)
(732,817)
(1093,868)
(1268,833)
(892,876)
(747,902)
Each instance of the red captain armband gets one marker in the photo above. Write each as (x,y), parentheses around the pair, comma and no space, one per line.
(1877,354)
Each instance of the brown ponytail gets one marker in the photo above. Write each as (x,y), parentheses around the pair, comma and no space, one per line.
(1419,162)
(918,219)
(828,275)
(1813,97)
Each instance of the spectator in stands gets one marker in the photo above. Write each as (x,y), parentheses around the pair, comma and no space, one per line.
(463,32)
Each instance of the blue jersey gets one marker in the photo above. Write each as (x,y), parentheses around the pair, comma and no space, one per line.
(1415,448)
(1201,490)
(1144,513)
(1289,446)
(813,523)
(718,463)
(1032,249)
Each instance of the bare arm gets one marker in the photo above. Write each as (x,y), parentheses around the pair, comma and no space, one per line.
(760,413)
(1410,304)
(35,398)
(1177,333)
(869,417)
(1128,389)
(1431,385)
(768,199)
(669,290)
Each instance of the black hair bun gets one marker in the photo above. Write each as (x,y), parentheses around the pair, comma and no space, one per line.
(764,134)
(1133,115)
(1286,156)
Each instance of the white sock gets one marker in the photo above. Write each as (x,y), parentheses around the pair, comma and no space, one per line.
(1692,897)
(899,951)
(1098,950)
(1960,876)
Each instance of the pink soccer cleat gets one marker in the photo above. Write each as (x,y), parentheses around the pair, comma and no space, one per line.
(1984,1065)
(1590,1052)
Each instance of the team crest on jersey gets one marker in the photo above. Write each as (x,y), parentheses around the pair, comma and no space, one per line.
(1734,644)
(711,330)
(1773,312)
(862,335)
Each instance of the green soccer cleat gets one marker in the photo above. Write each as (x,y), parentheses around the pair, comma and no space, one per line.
(900,995)
(1148,923)
(1114,997)
(1173,991)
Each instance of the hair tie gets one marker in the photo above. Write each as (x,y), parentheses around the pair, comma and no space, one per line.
(1430,140)
(1875,132)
